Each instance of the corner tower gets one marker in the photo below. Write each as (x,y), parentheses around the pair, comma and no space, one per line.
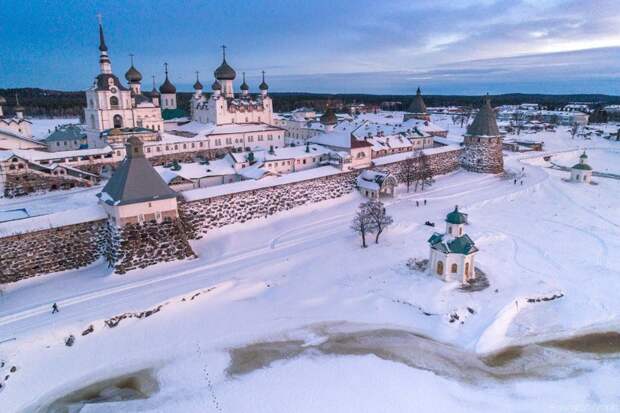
(483,143)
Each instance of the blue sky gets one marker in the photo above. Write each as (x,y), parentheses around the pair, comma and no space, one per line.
(349,46)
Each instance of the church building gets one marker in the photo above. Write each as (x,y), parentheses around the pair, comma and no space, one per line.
(112,105)
(224,107)
(453,252)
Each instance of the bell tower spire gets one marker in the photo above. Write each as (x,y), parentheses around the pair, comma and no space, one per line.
(105,64)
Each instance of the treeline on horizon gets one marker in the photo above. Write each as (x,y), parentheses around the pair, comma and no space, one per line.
(53,103)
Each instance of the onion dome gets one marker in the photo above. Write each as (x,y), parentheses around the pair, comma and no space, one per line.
(417,105)
(456,217)
(329,117)
(244,86)
(132,75)
(216,86)
(224,71)
(197,84)
(263,85)
(167,87)
(582,163)
(485,123)
(154,92)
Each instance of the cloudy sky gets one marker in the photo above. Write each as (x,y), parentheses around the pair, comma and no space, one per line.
(365,46)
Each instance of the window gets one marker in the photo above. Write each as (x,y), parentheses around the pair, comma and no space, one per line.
(113,102)
(118,120)
(467,269)
(450,230)
(454,268)
(440,267)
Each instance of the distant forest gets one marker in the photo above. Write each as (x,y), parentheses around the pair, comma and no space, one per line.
(54,103)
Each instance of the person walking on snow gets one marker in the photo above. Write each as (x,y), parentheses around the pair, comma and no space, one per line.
(425,202)
(417,203)
(55,308)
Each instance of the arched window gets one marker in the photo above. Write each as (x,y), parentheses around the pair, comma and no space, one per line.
(454,268)
(113,101)
(118,121)
(449,230)
(467,269)
(461,231)
(440,267)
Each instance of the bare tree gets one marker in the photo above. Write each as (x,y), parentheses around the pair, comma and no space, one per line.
(362,222)
(378,217)
(573,130)
(425,173)
(408,170)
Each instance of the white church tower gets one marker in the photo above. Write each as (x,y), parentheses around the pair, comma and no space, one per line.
(108,101)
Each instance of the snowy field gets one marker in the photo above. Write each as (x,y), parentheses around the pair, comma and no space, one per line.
(289,314)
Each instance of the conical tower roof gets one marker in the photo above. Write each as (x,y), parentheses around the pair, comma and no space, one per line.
(135,180)
(485,123)
(417,105)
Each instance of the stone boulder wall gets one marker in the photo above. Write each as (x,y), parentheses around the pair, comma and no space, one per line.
(51,250)
(141,245)
(216,212)
(205,214)
(483,157)
(29,182)
(439,163)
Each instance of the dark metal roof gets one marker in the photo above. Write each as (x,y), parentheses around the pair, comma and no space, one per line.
(216,85)
(102,45)
(198,85)
(225,72)
(135,180)
(485,123)
(263,85)
(132,75)
(167,87)
(417,105)
(102,82)
(244,86)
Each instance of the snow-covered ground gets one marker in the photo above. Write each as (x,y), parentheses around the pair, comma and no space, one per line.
(289,314)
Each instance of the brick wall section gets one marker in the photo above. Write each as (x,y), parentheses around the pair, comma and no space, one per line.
(216,212)
(141,245)
(51,250)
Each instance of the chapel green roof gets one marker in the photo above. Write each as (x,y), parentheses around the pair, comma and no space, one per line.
(456,217)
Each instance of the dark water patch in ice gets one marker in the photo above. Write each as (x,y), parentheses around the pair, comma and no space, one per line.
(595,343)
(416,351)
(134,386)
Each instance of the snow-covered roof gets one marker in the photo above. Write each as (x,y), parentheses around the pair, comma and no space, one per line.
(35,155)
(242,186)
(195,170)
(205,129)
